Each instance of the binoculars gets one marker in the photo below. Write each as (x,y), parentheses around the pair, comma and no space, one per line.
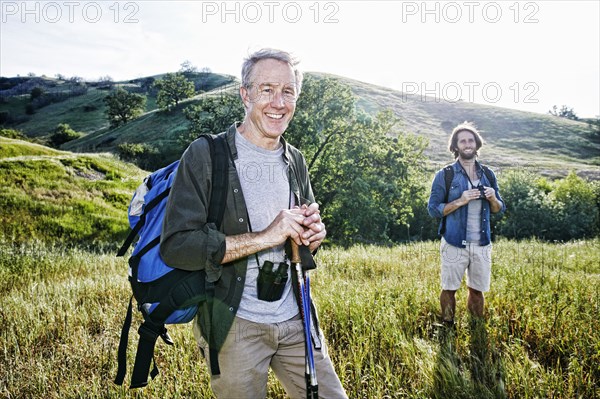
(272,282)
(481,191)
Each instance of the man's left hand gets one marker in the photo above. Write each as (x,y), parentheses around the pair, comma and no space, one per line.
(314,232)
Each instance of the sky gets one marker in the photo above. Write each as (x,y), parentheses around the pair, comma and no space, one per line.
(526,55)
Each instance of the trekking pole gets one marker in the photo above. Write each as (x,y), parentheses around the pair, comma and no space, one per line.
(310,373)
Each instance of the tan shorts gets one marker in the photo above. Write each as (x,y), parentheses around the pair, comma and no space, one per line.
(475,259)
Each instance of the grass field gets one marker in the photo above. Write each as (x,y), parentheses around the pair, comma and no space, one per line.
(61,312)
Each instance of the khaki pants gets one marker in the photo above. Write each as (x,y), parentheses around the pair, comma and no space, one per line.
(249,350)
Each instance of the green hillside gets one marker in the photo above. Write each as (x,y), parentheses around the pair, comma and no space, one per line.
(544,144)
(60,196)
(81,105)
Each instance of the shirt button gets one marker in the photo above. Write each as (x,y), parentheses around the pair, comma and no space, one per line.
(235,190)
(231,309)
(239,279)
(241,220)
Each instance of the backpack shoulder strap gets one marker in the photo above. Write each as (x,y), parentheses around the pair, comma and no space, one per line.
(448,177)
(219,151)
(220,178)
(490,176)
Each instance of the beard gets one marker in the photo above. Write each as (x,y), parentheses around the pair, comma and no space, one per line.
(467,156)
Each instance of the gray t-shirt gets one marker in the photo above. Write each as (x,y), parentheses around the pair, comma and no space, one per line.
(264,181)
(474,219)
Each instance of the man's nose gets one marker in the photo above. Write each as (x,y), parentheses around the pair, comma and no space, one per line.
(277,99)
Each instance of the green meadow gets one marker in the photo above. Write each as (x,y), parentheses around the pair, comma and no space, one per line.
(62,310)
(64,293)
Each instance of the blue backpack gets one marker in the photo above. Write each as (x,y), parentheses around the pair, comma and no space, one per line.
(164,295)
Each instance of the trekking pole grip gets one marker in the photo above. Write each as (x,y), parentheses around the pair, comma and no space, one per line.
(295,252)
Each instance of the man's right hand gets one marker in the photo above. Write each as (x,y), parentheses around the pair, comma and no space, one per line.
(466,197)
(288,223)
(469,195)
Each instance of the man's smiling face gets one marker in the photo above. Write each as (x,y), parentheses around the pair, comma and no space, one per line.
(270,101)
(466,145)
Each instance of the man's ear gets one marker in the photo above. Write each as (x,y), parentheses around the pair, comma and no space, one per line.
(245,95)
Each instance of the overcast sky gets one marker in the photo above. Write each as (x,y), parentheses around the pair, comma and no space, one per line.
(526,55)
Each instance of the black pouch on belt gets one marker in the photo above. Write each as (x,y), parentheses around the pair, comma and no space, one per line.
(271,283)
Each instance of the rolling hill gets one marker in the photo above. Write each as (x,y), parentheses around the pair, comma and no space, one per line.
(72,197)
(545,144)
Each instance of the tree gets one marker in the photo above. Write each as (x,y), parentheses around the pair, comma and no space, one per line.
(188,67)
(62,134)
(564,112)
(106,82)
(212,115)
(36,92)
(173,88)
(123,106)
(363,177)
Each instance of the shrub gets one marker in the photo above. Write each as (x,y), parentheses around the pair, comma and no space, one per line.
(36,92)
(63,134)
(12,133)
(577,212)
(144,155)
(563,210)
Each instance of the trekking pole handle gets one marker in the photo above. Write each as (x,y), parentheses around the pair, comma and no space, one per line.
(295,252)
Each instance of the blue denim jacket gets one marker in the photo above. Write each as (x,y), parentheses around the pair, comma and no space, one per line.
(456,222)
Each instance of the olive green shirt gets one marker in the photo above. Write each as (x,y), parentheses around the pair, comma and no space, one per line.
(188,242)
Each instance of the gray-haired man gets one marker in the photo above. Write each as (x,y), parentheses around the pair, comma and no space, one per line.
(269,201)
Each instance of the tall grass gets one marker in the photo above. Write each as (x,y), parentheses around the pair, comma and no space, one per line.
(61,312)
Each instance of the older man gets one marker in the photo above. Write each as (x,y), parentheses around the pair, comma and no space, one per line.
(269,201)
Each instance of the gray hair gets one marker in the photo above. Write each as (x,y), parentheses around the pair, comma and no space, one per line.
(269,53)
